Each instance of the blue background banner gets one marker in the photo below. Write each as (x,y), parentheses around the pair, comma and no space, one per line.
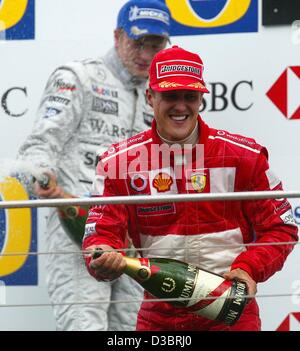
(24,29)
(194,17)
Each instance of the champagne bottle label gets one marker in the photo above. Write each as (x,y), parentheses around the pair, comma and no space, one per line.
(209,294)
(215,298)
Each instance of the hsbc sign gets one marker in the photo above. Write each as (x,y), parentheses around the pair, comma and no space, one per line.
(222,96)
(285,92)
(13,101)
(290,322)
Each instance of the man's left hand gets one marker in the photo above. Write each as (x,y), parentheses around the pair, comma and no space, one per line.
(243,276)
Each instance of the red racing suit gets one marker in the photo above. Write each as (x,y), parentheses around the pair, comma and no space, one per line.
(206,234)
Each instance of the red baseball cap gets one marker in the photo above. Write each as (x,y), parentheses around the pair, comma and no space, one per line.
(176,69)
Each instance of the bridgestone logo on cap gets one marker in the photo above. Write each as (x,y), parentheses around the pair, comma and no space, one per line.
(136,13)
(180,68)
(176,68)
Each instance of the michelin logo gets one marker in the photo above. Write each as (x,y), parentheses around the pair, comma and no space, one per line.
(90,229)
(288,218)
(136,13)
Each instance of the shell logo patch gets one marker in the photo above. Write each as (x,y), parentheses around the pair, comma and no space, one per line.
(162,182)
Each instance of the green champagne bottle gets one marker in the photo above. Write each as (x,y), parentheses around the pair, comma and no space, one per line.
(72,219)
(199,291)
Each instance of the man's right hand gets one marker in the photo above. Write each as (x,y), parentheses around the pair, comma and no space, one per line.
(50,190)
(109,266)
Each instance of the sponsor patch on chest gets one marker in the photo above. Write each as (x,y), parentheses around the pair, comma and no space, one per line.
(107,107)
(155,210)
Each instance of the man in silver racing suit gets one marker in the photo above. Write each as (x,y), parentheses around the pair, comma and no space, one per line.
(86,106)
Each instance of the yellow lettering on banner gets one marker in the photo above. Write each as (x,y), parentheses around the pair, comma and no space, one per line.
(11,12)
(18,227)
(183,13)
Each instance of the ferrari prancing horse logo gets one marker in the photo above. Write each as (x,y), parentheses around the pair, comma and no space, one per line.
(198,181)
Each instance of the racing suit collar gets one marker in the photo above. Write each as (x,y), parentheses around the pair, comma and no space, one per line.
(113,62)
(179,156)
(203,132)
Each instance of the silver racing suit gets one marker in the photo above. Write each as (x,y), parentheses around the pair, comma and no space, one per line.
(86,106)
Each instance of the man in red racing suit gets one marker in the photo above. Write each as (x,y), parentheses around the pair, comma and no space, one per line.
(207,234)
